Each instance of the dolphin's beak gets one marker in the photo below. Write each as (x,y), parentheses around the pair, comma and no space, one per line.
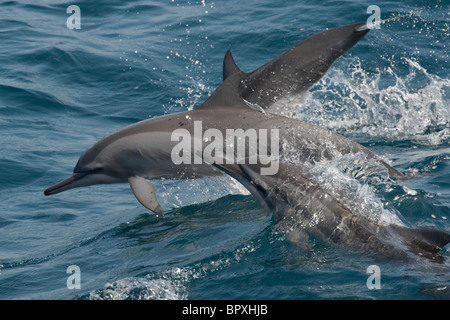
(65,185)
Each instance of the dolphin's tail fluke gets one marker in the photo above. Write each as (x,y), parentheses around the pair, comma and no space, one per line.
(298,68)
(424,242)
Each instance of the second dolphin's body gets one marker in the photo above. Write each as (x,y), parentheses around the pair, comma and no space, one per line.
(145,150)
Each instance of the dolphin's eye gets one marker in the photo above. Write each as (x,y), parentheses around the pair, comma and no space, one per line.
(97,170)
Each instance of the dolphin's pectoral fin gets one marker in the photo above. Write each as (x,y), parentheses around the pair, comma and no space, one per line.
(144,191)
(255,177)
(235,171)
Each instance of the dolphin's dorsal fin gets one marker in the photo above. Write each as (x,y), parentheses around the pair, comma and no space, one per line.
(227,94)
(144,191)
(229,65)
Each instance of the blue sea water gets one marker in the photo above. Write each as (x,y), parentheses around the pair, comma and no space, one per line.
(61,90)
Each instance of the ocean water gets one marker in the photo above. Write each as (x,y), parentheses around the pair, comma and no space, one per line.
(61,90)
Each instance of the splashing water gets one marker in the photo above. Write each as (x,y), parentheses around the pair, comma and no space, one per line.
(356,182)
(384,104)
(173,284)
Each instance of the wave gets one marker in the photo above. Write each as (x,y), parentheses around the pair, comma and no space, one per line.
(172,284)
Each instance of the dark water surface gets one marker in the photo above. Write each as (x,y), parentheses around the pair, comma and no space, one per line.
(62,90)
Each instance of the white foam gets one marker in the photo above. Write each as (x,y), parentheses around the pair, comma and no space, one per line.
(353,179)
(139,289)
(181,193)
(382,104)
(172,284)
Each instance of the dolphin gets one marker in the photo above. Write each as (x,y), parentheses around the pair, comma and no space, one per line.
(296,70)
(142,151)
(304,209)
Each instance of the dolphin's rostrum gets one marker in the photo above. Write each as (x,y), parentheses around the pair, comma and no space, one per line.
(142,151)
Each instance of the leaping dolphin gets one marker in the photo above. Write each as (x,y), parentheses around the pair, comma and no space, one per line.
(303,208)
(143,151)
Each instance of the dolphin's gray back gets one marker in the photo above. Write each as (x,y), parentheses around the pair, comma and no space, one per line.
(299,141)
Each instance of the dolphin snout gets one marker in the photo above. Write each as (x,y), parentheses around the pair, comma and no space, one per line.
(64,185)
